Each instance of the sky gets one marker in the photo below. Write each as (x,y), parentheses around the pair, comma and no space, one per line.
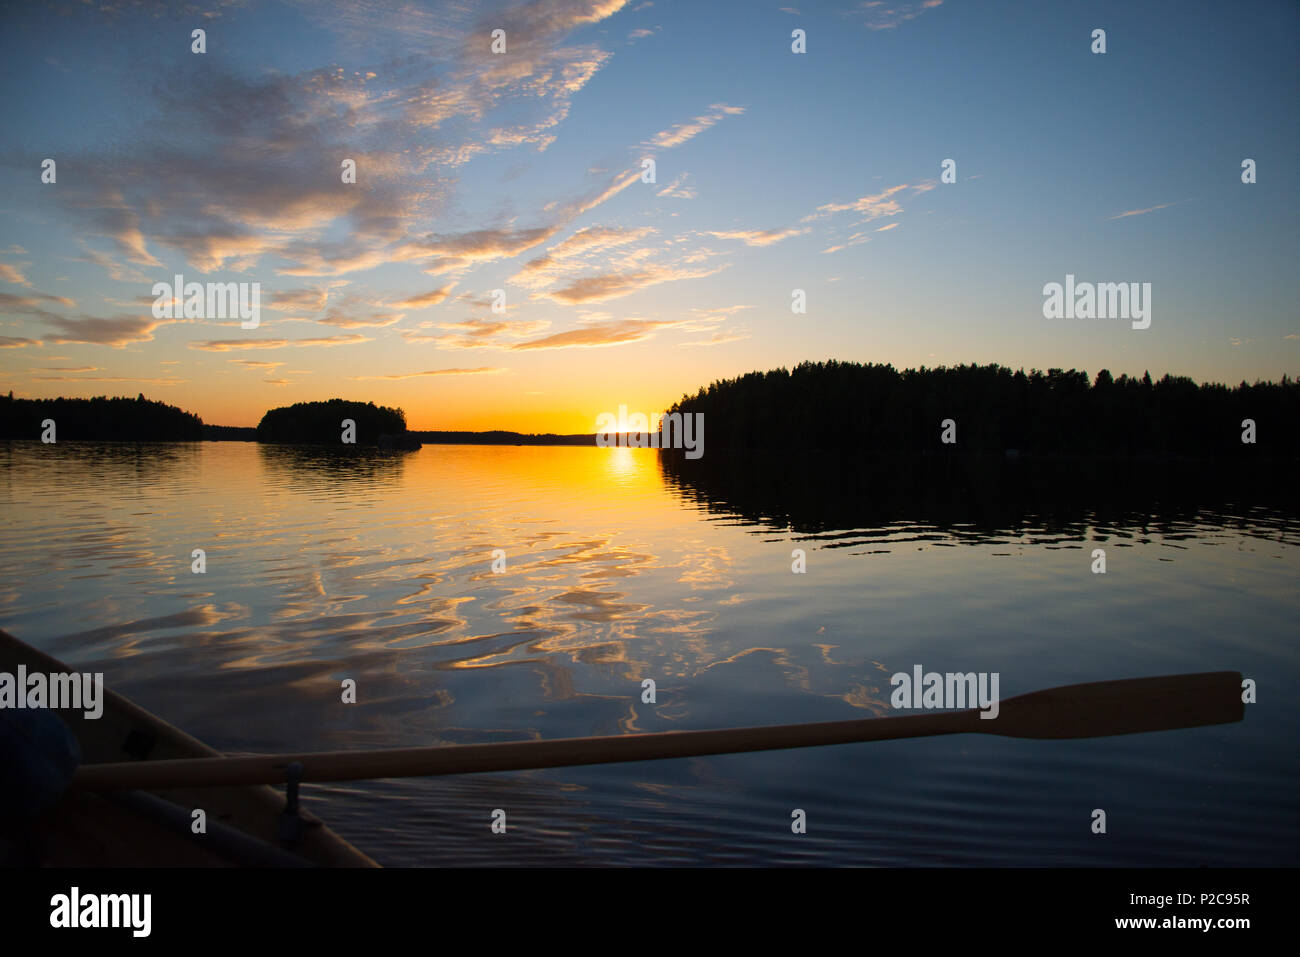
(524,171)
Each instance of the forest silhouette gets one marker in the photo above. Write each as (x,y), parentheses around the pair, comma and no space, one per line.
(832,404)
(100,418)
(321,422)
(816,405)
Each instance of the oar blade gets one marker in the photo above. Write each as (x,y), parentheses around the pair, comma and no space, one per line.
(1128,706)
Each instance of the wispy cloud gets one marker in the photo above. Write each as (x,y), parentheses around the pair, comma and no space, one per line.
(870,207)
(111,378)
(707,318)
(1141,212)
(882,15)
(32,303)
(481,370)
(425,299)
(228,345)
(856,239)
(12,274)
(479,333)
(349,321)
(760,237)
(678,189)
(599,335)
(306,301)
(225,185)
(575,254)
(117,332)
(681,132)
(606,286)
(718,338)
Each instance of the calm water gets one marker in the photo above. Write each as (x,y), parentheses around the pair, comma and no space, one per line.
(377,566)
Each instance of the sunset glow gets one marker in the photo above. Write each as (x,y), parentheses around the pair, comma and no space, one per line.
(524,172)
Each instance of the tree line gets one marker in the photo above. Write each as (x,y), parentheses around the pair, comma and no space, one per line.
(101,418)
(322,422)
(121,419)
(833,404)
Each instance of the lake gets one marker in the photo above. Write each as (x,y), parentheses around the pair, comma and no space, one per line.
(621,565)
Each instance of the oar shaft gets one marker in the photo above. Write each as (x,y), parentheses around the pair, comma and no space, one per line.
(1095,709)
(513,755)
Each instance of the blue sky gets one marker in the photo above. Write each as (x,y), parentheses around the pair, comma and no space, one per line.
(774,171)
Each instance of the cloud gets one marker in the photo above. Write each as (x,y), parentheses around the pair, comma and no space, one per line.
(594,239)
(718,338)
(535,22)
(332,340)
(255,364)
(226,345)
(111,216)
(378,320)
(759,237)
(110,378)
(117,332)
(599,335)
(703,320)
(572,254)
(12,274)
(458,251)
(855,240)
(882,15)
(606,286)
(479,333)
(481,370)
(425,299)
(870,207)
(678,189)
(595,265)
(681,132)
(888,226)
(31,304)
(18,342)
(116,270)
(67,369)
(236,175)
(1149,209)
(303,300)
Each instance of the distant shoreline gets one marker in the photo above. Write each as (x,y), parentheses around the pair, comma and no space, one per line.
(232,433)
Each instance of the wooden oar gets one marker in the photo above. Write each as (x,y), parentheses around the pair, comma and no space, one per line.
(1074,711)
